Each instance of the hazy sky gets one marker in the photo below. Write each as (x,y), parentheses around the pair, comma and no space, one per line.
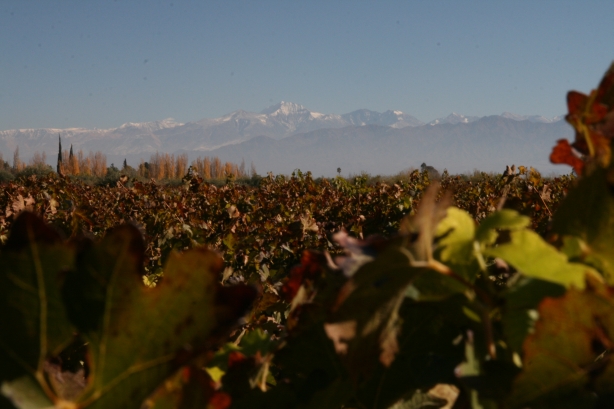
(103,63)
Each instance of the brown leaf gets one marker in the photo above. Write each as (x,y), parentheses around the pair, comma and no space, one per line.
(20,204)
(233,212)
(308,223)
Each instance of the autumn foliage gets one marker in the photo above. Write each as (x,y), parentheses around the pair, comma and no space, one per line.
(496,292)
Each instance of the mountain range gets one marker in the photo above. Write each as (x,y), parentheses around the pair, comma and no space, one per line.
(287,136)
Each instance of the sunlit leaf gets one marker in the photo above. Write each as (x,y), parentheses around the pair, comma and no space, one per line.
(505,219)
(457,243)
(533,257)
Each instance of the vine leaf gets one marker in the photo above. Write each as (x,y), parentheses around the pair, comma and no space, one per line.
(422,226)
(457,243)
(137,335)
(505,219)
(431,347)
(365,319)
(460,246)
(31,265)
(592,118)
(568,357)
(521,302)
(588,214)
(562,153)
(533,257)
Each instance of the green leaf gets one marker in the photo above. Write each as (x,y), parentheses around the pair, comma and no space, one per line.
(533,257)
(138,336)
(505,219)
(431,285)
(588,213)
(26,393)
(457,244)
(31,265)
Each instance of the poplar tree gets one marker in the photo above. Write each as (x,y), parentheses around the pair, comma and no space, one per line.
(59,165)
(16,160)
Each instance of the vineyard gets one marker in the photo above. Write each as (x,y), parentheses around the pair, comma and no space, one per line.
(485,292)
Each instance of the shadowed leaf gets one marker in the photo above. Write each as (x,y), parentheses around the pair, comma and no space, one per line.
(588,213)
(568,357)
(31,268)
(143,334)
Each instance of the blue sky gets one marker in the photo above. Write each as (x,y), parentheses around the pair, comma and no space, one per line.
(104,63)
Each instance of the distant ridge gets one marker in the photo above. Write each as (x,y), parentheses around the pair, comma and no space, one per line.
(487,144)
(288,123)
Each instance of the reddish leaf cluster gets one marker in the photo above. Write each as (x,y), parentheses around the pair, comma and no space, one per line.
(307,271)
(592,116)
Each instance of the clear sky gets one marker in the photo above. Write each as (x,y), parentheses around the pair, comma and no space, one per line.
(103,63)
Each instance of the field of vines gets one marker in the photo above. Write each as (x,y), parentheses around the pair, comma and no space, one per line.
(485,292)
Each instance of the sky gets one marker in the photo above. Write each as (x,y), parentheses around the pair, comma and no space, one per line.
(99,64)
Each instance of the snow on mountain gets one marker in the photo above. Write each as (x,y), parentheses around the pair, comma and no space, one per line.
(488,144)
(395,119)
(532,118)
(151,126)
(286,119)
(454,119)
(296,117)
(284,108)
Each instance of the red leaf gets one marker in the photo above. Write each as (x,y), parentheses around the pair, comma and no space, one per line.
(292,283)
(219,400)
(311,268)
(562,153)
(235,357)
(581,112)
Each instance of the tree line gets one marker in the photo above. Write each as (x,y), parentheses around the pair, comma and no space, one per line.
(159,167)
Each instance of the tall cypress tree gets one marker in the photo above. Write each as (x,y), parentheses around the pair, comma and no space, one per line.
(59,165)
(71,162)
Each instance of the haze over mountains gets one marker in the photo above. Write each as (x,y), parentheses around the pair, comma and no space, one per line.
(287,136)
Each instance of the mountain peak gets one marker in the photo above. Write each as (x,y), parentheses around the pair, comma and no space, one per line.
(284,108)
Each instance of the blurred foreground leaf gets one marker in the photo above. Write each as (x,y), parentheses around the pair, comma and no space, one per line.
(568,359)
(137,336)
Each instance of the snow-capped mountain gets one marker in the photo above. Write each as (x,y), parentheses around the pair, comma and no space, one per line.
(137,141)
(150,126)
(532,118)
(454,119)
(298,118)
(395,119)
